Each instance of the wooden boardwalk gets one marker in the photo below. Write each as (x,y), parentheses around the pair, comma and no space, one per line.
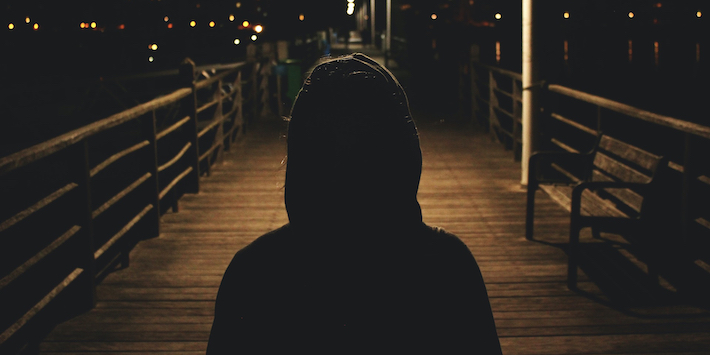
(163,302)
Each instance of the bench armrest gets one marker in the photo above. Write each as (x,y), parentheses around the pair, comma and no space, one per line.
(535,169)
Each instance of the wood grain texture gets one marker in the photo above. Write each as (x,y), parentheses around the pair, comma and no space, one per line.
(163,303)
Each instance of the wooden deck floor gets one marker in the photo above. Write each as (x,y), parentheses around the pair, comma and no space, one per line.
(163,303)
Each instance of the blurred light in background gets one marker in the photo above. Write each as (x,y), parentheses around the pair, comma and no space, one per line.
(498,16)
(566,14)
(153,47)
(239,4)
(211,23)
(150,59)
(35,26)
(93,25)
(231,18)
(237,41)
(258,28)
(301,17)
(27,20)
(253,37)
(166,19)
(11,26)
(433,16)
(193,23)
(245,23)
(631,14)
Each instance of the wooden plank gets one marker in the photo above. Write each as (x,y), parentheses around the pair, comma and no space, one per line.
(120,195)
(617,170)
(177,157)
(172,128)
(629,152)
(101,250)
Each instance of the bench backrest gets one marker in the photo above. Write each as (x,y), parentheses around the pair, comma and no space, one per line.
(618,161)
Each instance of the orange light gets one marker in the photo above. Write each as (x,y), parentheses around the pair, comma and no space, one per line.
(239,5)
(93,25)
(245,23)
(566,14)
(170,25)
(211,23)
(36,26)
(82,25)
(433,16)
(27,20)
(658,5)
(231,18)
(193,23)
(166,19)
(631,14)
(698,14)
(121,27)
(258,28)
(301,17)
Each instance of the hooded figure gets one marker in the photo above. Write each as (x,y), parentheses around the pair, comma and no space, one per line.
(355,270)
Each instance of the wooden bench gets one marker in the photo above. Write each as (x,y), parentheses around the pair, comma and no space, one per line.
(614,188)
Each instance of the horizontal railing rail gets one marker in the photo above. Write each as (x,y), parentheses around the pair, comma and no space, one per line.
(74,206)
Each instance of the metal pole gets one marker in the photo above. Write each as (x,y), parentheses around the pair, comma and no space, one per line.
(372,23)
(529,91)
(388,32)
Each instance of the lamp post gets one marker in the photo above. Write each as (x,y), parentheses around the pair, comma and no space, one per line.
(530,91)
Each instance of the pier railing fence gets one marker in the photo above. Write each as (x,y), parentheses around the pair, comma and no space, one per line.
(571,120)
(73,207)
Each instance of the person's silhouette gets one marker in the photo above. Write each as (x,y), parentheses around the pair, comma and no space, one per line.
(355,270)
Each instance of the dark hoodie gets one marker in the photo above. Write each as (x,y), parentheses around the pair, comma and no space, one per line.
(356,270)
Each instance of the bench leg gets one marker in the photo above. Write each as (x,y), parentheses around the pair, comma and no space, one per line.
(573,254)
(530,210)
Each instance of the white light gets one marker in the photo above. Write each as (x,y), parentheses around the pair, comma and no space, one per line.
(150,59)
(566,14)
(231,18)
(258,28)
(498,16)
(166,19)
(253,37)
(237,41)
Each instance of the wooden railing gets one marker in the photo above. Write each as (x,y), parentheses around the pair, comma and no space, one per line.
(73,207)
(499,91)
(572,120)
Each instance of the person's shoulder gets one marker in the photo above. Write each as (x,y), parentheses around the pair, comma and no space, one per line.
(442,237)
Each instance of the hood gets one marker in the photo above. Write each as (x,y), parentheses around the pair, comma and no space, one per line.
(353,148)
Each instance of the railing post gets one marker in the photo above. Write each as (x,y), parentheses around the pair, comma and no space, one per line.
(86,221)
(516,120)
(187,73)
(255,91)
(475,56)
(151,132)
(688,202)
(492,103)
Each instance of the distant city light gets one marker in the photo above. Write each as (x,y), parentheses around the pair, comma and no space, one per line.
(433,16)
(121,26)
(153,47)
(150,59)
(170,25)
(211,23)
(193,23)
(245,24)
(11,26)
(258,28)
(351,7)
(658,5)
(698,14)
(93,25)
(231,18)
(566,14)
(27,20)
(498,16)
(82,25)
(239,4)
(631,14)
(253,37)
(166,19)
(237,41)
(301,17)
(35,26)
